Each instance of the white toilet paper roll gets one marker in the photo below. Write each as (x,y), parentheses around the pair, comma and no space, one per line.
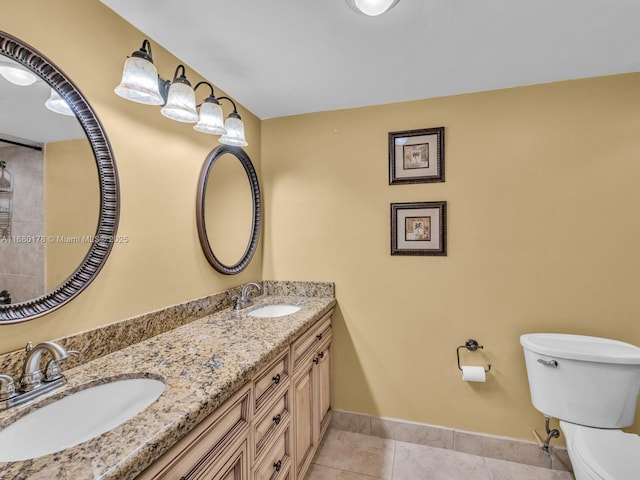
(473,374)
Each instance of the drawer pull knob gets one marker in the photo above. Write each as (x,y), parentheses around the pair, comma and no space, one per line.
(319,336)
(316,360)
(321,355)
(277,419)
(278,465)
(276,379)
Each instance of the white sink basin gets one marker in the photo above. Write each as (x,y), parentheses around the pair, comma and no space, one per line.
(77,418)
(274,311)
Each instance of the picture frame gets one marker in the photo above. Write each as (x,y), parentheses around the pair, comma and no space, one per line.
(419,228)
(416,156)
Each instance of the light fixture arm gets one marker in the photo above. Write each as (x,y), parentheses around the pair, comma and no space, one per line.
(211,98)
(207,84)
(233,114)
(183,76)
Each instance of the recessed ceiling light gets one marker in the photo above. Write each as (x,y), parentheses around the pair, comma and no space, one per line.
(372,8)
(16,74)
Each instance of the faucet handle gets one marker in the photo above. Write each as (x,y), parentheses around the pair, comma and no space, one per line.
(7,387)
(52,371)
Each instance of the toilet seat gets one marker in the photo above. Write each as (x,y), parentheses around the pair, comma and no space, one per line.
(606,454)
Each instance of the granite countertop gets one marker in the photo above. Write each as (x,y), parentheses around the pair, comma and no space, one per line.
(202,363)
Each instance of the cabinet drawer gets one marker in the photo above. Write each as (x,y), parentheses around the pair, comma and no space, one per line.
(206,443)
(277,461)
(271,381)
(310,340)
(265,428)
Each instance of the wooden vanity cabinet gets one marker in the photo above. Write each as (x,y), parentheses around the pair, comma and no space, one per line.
(311,393)
(269,429)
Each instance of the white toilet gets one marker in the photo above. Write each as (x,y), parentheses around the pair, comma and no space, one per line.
(591,385)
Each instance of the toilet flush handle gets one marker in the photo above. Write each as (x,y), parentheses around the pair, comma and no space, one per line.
(548,363)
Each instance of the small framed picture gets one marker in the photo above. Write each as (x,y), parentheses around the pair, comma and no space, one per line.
(416,156)
(419,228)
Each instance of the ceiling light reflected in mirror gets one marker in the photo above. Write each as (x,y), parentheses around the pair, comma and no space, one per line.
(16,74)
(21,77)
(57,104)
(372,8)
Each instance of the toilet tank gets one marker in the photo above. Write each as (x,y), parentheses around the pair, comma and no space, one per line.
(585,380)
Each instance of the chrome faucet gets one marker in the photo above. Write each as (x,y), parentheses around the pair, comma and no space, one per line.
(32,382)
(31,375)
(244,300)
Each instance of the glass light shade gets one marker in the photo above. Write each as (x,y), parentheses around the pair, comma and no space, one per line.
(16,75)
(373,8)
(181,103)
(211,119)
(235,132)
(140,82)
(57,104)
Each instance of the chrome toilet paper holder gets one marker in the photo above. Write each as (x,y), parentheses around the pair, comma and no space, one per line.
(471,345)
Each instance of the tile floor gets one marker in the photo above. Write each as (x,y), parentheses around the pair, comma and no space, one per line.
(352,456)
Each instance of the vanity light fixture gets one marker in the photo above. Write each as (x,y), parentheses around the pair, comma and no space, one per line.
(372,8)
(211,115)
(140,81)
(181,99)
(142,84)
(234,127)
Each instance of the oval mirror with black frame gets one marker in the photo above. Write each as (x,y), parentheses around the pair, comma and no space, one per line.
(228,209)
(76,247)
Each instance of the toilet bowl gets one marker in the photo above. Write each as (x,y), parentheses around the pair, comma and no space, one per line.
(591,385)
(602,454)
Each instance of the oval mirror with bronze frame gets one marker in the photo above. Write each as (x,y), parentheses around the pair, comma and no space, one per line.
(223,266)
(109,202)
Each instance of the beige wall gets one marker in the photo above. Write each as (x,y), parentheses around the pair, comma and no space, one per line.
(158,161)
(72,201)
(543,198)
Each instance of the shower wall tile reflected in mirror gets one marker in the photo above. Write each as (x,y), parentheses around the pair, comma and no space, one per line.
(22,268)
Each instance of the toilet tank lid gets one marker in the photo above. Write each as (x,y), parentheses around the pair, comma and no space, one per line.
(581,347)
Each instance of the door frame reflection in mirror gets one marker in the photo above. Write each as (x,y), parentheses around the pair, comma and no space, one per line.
(102,241)
(252,243)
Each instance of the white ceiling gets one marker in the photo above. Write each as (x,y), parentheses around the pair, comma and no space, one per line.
(285,57)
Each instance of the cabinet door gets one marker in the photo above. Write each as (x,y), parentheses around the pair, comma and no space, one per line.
(323,375)
(305,435)
(235,468)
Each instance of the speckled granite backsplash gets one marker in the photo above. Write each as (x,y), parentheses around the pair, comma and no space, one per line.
(115,336)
